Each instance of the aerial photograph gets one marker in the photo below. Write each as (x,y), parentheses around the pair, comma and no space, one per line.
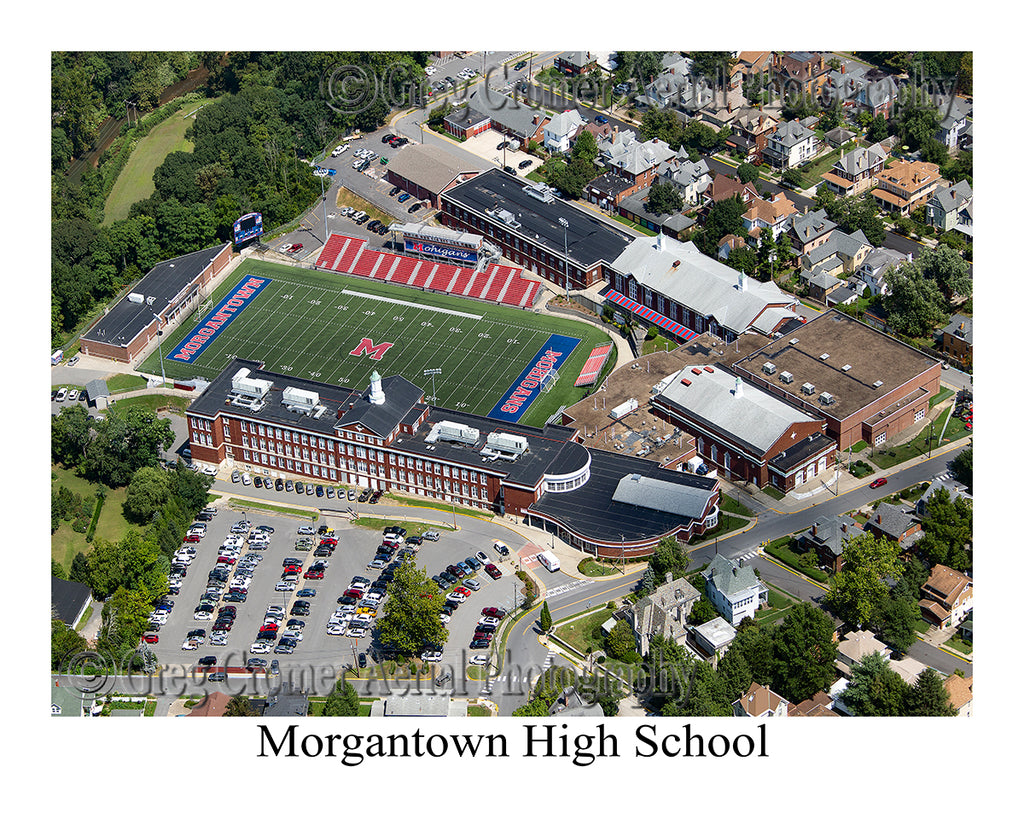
(608,384)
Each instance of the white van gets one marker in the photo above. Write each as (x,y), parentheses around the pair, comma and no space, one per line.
(549,561)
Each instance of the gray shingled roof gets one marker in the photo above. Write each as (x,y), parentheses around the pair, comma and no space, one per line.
(662,496)
(729,577)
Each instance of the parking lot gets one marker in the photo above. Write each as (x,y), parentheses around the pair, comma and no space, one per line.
(355,548)
(486,144)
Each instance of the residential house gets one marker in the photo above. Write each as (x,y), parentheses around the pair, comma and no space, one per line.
(760,701)
(855,646)
(958,339)
(838,137)
(820,705)
(725,187)
(896,522)
(810,230)
(952,208)
(850,249)
(728,244)
(870,90)
(635,208)
(953,123)
(733,589)
(827,537)
(574,63)
(608,191)
(769,214)
(751,128)
(634,161)
(214,704)
(906,185)
(854,172)
(954,488)
(948,597)
(876,264)
(790,145)
(663,612)
(961,693)
(823,279)
(69,600)
(713,638)
(799,72)
(561,130)
(691,179)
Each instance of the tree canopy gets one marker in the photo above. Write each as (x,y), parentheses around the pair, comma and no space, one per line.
(859,588)
(411,618)
(914,305)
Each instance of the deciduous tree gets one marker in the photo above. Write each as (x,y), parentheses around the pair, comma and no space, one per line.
(411,616)
(859,588)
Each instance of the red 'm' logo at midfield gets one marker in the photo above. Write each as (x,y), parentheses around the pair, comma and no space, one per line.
(375,351)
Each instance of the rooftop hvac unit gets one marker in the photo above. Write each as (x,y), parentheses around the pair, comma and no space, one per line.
(624,409)
(252,387)
(785,377)
(768,368)
(793,340)
(456,433)
(300,399)
(823,356)
(503,442)
(826,398)
(136,298)
(539,191)
(807,389)
(846,368)
(877,384)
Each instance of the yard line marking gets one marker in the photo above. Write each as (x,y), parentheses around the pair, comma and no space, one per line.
(412,304)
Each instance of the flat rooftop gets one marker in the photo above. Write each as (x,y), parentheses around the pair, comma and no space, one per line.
(590,239)
(159,289)
(856,357)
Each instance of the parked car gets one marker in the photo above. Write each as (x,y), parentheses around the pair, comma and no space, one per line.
(879,482)
(492,570)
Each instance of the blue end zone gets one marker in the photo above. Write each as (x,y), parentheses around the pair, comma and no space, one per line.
(220,317)
(526,388)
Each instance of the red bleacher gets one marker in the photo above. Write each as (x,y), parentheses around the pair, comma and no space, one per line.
(497,283)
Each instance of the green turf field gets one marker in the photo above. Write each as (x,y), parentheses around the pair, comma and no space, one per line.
(306,322)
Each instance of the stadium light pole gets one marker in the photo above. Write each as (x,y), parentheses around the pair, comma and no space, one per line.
(433,387)
(160,347)
(565,235)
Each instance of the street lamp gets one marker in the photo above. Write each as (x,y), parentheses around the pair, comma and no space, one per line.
(565,235)
(160,347)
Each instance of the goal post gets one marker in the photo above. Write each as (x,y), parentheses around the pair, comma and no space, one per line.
(548,381)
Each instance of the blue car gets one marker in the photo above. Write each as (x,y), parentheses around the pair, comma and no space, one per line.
(306,593)
(404,197)
(600,119)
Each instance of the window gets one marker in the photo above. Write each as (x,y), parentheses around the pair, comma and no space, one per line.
(880,438)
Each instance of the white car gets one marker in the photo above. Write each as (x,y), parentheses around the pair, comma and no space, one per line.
(490,621)
(371,599)
(478,659)
(218,638)
(207,469)
(246,480)
(275,610)
(445,618)
(203,615)
(158,617)
(430,534)
(357,631)
(190,645)
(456,597)
(62,393)
(233,540)
(305,530)
(259,648)
(72,395)
(431,656)
(429,70)
(336,629)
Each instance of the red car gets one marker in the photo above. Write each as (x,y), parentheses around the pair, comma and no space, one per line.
(491,611)
(356,593)
(295,248)
(191,539)
(328,541)
(492,570)
(878,482)
(150,638)
(462,590)
(313,575)
(223,560)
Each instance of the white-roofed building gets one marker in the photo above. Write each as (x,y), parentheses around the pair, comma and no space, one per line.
(699,293)
(749,434)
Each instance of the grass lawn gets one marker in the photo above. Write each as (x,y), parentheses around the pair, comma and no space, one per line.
(446,507)
(957,644)
(281,510)
(594,568)
(156,403)
(308,322)
(347,198)
(657,345)
(124,382)
(112,526)
(412,527)
(584,634)
(135,182)
(890,456)
(733,506)
(478,711)
(772,492)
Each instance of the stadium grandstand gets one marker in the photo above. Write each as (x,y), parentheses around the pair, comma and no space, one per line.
(497,283)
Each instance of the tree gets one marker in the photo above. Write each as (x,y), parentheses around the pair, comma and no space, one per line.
(896,622)
(147,491)
(189,488)
(133,563)
(711,65)
(343,701)
(545,618)
(928,697)
(238,706)
(696,136)
(804,653)
(879,129)
(914,305)
(79,569)
(948,525)
(642,66)
(663,124)
(746,172)
(963,468)
(69,435)
(585,147)
(859,588)
(702,612)
(57,570)
(724,217)
(126,439)
(663,197)
(947,269)
(669,556)
(412,612)
(620,644)
(875,690)
(65,642)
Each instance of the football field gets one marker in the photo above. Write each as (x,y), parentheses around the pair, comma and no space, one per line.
(339,329)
